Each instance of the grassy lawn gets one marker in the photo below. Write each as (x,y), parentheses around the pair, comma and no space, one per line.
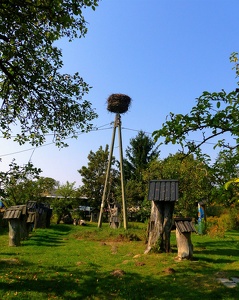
(85,262)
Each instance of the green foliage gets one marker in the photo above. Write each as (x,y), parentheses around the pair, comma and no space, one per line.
(217,226)
(21,184)
(201,227)
(214,115)
(223,170)
(139,154)
(64,202)
(93,177)
(135,191)
(194,180)
(33,92)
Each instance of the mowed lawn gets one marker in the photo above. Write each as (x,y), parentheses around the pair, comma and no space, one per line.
(85,262)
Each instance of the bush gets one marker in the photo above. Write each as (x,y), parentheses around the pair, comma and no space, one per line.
(214,228)
(217,226)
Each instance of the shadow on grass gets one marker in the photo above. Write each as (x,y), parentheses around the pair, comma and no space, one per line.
(63,228)
(229,248)
(93,283)
(53,236)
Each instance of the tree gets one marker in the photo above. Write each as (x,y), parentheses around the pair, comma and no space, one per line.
(34,95)
(215,115)
(139,154)
(16,183)
(65,199)
(194,176)
(93,177)
(225,169)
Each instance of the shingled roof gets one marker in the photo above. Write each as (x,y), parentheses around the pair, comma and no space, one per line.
(184,225)
(15,212)
(163,190)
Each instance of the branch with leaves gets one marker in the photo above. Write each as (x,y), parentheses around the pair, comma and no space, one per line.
(214,115)
(34,95)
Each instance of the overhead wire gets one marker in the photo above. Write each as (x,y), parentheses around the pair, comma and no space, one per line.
(99,128)
(48,144)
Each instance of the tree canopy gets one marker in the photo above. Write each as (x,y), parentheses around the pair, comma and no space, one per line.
(215,115)
(194,176)
(139,154)
(34,95)
(94,175)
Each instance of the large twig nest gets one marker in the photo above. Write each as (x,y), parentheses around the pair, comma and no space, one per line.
(118,103)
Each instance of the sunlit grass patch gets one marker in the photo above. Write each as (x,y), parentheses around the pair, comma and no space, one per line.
(87,262)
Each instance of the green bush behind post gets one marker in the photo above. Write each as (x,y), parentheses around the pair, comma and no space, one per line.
(218,225)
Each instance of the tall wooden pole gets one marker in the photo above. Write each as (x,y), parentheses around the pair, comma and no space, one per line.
(122,175)
(107,174)
(117,123)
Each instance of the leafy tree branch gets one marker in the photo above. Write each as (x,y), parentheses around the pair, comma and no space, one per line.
(34,94)
(214,115)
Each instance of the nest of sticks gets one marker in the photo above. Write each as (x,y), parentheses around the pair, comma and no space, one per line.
(118,103)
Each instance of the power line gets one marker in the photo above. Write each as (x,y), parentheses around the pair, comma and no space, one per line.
(48,144)
(100,128)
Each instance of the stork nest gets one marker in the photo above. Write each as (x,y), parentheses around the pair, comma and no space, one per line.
(118,103)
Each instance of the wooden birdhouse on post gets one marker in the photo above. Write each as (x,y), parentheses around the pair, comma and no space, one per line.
(163,194)
(17,220)
(184,228)
(118,104)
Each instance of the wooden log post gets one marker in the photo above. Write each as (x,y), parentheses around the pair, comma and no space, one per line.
(163,194)
(114,217)
(184,228)
(14,232)
(17,222)
(184,244)
(48,218)
(24,230)
(160,224)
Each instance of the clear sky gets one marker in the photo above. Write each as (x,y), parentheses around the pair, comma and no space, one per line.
(161,53)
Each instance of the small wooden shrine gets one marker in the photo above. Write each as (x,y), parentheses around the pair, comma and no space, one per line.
(184,228)
(163,194)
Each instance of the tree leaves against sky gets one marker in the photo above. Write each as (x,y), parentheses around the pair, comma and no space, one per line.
(215,115)
(34,94)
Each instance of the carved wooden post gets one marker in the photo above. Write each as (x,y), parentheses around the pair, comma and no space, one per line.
(184,227)
(163,194)
(14,232)
(114,217)
(16,216)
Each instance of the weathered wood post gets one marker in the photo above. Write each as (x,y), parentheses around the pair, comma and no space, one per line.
(184,227)
(163,194)
(16,216)
(115,217)
(42,212)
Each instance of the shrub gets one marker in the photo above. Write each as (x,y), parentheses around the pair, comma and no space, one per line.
(217,226)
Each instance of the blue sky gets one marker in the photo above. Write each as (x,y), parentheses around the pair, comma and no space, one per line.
(162,53)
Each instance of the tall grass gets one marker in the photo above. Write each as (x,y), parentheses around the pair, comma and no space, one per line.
(85,262)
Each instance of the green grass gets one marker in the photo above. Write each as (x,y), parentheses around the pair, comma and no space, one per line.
(78,262)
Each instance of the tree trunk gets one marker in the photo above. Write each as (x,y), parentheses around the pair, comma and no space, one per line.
(184,244)
(160,224)
(14,232)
